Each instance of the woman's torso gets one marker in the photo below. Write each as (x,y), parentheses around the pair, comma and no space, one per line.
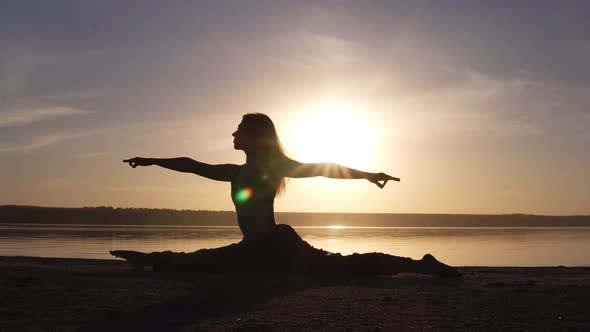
(253,191)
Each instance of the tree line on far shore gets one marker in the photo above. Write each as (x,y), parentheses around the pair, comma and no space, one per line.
(106,215)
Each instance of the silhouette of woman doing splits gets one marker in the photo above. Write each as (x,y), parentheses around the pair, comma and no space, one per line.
(266,246)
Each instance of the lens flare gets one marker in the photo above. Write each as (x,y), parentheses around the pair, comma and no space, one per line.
(243,195)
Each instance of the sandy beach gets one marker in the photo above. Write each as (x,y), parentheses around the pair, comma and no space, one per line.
(49,294)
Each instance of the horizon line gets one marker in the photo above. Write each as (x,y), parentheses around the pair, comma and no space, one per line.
(233,211)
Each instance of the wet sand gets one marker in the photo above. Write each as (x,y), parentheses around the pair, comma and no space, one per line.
(48,294)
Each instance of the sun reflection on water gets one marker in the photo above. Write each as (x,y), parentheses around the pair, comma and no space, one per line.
(337,227)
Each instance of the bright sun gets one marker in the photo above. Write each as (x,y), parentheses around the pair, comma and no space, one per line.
(331,132)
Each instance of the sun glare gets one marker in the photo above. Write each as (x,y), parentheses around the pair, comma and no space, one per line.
(332,132)
(337,227)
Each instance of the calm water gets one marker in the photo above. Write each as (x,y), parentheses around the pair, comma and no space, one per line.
(491,246)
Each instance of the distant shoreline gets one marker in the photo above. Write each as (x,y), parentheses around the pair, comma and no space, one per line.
(293,225)
(14,214)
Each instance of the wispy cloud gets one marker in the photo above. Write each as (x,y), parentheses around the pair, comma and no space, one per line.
(73,94)
(478,105)
(25,117)
(41,141)
(34,144)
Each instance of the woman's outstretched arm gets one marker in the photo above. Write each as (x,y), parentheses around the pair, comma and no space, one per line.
(295,169)
(223,172)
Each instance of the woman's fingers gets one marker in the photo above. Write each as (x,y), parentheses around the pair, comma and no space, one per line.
(389,177)
(381,179)
(132,162)
(379,184)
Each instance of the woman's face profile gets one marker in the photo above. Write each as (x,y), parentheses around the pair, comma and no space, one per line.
(241,138)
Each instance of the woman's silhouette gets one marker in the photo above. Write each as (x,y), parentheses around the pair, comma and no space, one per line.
(267,246)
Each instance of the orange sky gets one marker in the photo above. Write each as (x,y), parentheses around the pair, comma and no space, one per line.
(479,108)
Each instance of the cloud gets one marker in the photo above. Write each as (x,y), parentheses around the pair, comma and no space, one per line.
(73,94)
(41,141)
(25,117)
(35,144)
(479,105)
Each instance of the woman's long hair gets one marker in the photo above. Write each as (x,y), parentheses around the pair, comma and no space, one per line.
(268,145)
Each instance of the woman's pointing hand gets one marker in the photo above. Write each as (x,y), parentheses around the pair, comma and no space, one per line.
(381,179)
(138,161)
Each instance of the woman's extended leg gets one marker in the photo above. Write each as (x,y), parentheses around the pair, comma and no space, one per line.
(276,253)
(378,264)
(297,255)
(228,258)
(138,260)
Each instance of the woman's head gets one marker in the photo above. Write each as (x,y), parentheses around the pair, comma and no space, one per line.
(256,131)
(257,134)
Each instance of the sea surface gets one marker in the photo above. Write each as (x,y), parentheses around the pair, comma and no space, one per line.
(459,246)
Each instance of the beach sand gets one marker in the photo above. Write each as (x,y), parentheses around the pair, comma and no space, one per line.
(49,294)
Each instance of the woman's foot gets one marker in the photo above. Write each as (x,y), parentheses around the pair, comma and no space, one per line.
(430,265)
(138,260)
